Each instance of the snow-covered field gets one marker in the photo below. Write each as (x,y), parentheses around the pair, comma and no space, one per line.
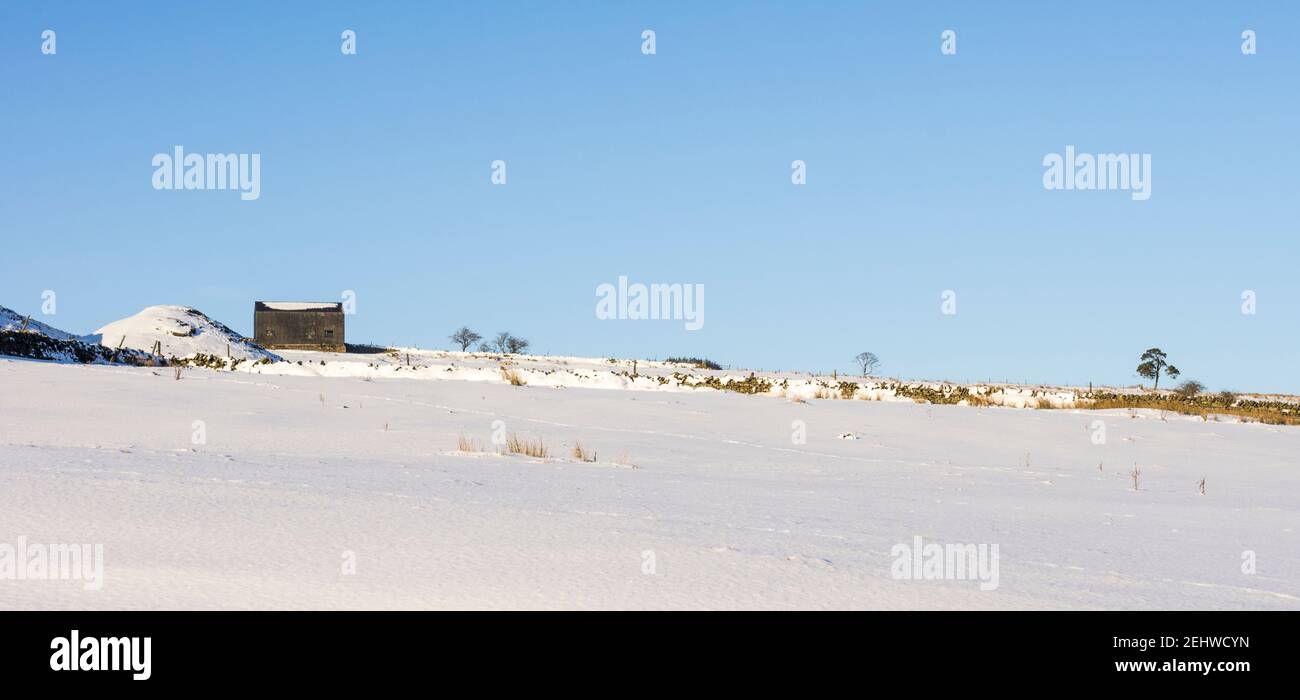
(292,485)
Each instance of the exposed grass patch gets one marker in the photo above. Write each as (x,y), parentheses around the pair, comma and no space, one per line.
(1247,410)
(531,448)
(752,384)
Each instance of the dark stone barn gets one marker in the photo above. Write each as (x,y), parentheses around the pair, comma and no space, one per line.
(299,325)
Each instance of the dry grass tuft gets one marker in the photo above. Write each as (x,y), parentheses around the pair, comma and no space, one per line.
(531,448)
(581,453)
(513,377)
(465,444)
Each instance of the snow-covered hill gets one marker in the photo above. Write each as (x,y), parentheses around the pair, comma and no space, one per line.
(180,332)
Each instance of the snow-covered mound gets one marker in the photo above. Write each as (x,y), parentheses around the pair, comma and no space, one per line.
(11,320)
(180,332)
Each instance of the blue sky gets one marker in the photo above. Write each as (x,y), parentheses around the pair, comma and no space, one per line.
(924,174)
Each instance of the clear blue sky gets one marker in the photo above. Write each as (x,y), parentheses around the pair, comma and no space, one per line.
(924,174)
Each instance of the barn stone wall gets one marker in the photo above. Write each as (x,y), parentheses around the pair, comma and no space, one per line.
(299,330)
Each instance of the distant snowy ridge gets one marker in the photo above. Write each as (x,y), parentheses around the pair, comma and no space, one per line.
(22,337)
(561,372)
(38,346)
(11,320)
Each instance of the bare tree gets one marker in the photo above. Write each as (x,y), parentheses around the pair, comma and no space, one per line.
(515,345)
(465,338)
(501,343)
(867,361)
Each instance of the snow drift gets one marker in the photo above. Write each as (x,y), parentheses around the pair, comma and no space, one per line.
(180,332)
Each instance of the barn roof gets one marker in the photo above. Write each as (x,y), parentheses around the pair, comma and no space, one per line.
(327,306)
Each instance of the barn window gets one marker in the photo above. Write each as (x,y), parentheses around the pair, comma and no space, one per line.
(329,333)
